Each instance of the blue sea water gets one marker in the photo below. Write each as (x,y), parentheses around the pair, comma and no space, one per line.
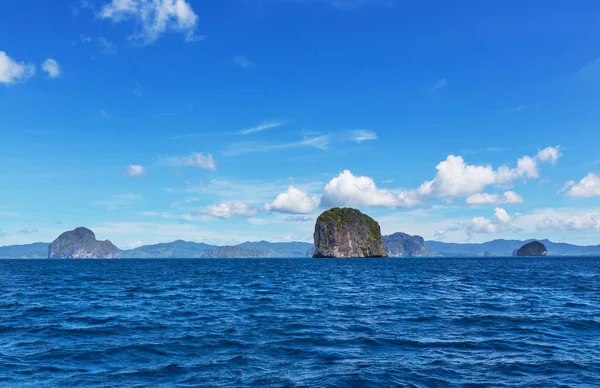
(300,322)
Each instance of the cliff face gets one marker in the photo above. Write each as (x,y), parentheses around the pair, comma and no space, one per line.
(534,248)
(402,244)
(81,243)
(347,232)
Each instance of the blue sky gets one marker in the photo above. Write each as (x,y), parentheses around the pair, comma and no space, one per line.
(150,121)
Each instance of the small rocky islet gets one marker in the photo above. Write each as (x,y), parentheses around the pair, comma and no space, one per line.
(345,233)
(533,248)
(81,243)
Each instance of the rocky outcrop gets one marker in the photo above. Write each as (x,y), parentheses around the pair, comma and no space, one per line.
(229,252)
(534,248)
(81,243)
(346,232)
(402,245)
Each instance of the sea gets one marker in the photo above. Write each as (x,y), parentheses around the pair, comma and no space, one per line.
(413,322)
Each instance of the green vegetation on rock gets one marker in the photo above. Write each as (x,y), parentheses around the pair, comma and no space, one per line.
(346,232)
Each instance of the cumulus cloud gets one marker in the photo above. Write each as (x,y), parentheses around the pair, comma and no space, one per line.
(294,201)
(135,170)
(12,72)
(457,178)
(549,155)
(52,68)
(509,197)
(576,222)
(501,222)
(230,209)
(243,62)
(587,187)
(360,135)
(196,159)
(350,190)
(154,17)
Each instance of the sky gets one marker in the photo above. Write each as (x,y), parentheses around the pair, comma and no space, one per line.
(222,122)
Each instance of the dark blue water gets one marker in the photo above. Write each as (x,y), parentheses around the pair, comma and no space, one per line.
(300,322)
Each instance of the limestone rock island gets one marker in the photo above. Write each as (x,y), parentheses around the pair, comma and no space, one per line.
(534,248)
(81,243)
(346,232)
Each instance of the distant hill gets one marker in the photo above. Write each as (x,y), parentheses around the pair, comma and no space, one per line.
(173,250)
(28,251)
(281,249)
(235,252)
(506,248)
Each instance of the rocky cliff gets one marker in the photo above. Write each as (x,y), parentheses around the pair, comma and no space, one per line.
(346,232)
(402,244)
(534,248)
(81,243)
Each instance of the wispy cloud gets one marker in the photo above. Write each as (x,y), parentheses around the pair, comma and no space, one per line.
(439,84)
(262,127)
(243,62)
(593,66)
(107,115)
(106,46)
(119,201)
(495,149)
(196,159)
(319,142)
(360,135)
(9,214)
(28,231)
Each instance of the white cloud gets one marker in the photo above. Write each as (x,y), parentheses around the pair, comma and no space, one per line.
(243,62)
(12,72)
(457,178)
(154,17)
(196,159)
(135,170)
(294,201)
(262,127)
(350,190)
(52,68)
(230,209)
(574,222)
(509,197)
(549,154)
(587,187)
(501,216)
(360,135)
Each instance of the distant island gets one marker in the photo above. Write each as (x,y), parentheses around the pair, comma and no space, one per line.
(82,243)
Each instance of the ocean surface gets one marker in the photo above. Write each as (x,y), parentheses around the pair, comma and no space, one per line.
(300,322)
